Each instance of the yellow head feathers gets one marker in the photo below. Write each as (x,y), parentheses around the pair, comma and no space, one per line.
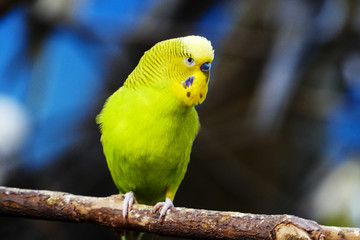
(181,65)
(199,47)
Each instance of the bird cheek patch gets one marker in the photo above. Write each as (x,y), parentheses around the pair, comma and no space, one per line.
(194,89)
(188,82)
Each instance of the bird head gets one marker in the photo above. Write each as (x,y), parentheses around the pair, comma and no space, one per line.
(189,69)
(180,66)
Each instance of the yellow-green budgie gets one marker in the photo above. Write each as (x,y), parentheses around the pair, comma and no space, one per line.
(149,124)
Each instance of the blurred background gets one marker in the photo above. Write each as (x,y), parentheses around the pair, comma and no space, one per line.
(280,126)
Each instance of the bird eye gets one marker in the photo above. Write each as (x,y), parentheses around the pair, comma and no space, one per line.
(189,61)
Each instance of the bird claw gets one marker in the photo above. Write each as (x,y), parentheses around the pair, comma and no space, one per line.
(165,206)
(128,202)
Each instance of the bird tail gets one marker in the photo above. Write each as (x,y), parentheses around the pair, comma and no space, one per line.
(132,235)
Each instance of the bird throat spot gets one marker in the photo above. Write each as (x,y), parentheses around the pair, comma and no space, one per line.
(188,94)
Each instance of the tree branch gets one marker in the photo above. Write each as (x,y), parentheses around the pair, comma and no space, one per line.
(179,222)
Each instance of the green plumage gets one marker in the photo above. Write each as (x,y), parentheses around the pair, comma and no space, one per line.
(147,140)
(149,124)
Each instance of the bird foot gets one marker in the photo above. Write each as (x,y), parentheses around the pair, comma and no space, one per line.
(128,202)
(164,206)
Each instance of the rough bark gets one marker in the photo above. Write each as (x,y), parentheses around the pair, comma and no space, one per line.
(180,222)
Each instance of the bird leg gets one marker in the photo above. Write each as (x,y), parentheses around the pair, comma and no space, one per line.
(165,206)
(128,202)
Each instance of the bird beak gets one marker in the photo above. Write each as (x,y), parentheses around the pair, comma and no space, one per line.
(205,67)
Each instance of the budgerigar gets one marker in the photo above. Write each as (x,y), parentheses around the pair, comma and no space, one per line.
(149,124)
